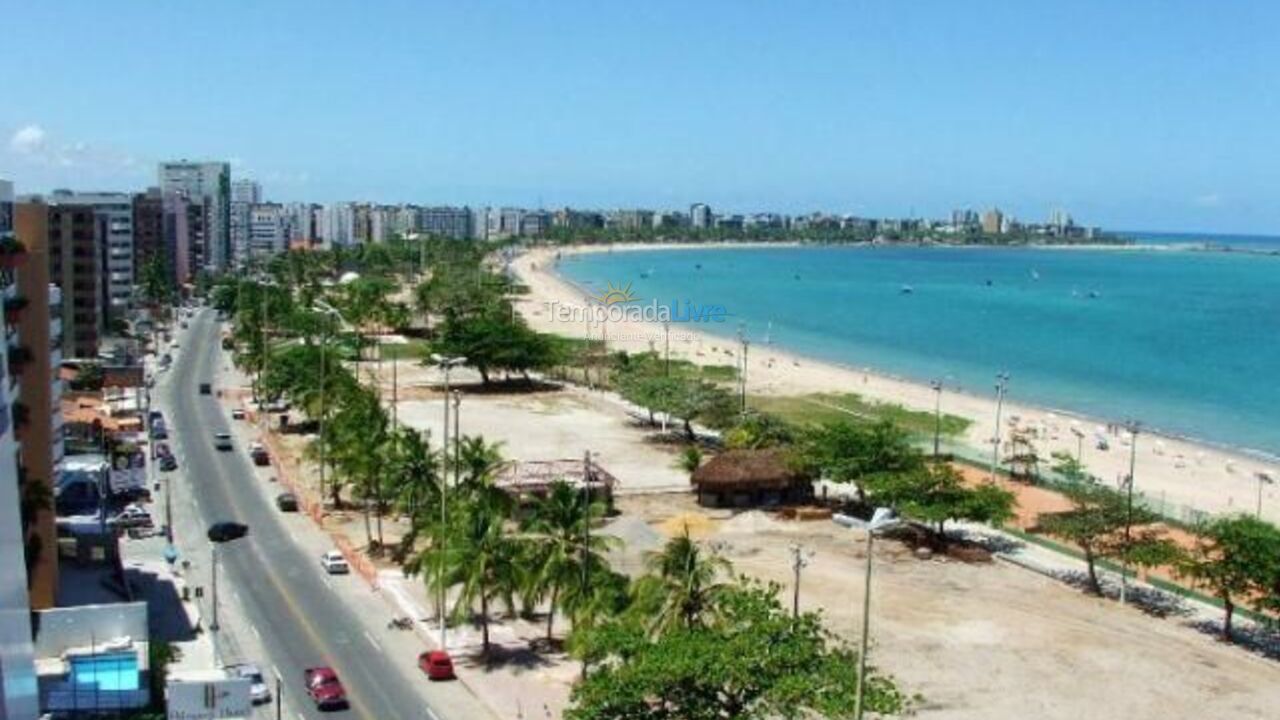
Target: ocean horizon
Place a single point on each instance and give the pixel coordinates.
(1186, 342)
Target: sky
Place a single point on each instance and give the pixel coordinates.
(1132, 115)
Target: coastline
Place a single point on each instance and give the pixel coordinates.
(1170, 470)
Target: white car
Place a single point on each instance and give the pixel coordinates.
(334, 564)
(132, 516)
(259, 693)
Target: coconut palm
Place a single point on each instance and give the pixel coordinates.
(562, 547)
(682, 584)
(481, 555)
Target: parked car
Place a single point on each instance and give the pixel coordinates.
(334, 563)
(287, 502)
(227, 530)
(159, 431)
(126, 496)
(222, 441)
(436, 664)
(206, 388)
(132, 516)
(324, 688)
(168, 463)
(259, 454)
(259, 693)
(237, 413)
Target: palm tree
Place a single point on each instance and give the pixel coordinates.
(412, 480)
(683, 583)
(481, 556)
(561, 543)
(477, 461)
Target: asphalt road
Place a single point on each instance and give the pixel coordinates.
(301, 620)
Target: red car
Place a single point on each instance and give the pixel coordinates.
(324, 688)
(436, 664)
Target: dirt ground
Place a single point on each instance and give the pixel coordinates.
(992, 641)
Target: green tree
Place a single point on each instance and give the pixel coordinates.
(481, 555)
(934, 493)
(756, 662)
(1238, 560)
(1097, 523)
(856, 454)
(561, 547)
(682, 585)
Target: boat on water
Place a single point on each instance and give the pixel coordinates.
(1035, 274)
(907, 290)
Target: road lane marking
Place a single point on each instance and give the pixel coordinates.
(372, 642)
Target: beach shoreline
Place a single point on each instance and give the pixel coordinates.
(1174, 471)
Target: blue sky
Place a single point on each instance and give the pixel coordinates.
(1140, 115)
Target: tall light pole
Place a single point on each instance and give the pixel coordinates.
(446, 364)
(1002, 387)
(457, 436)
(666, 335)
(873, 527)
(1133, 426)
(329, 311)
(742, 380)
(1264, 478)
(937, 416)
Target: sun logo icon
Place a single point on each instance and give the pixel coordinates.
(615, 294)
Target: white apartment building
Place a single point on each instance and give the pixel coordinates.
(210, 183)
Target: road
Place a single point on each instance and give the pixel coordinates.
(283, 593)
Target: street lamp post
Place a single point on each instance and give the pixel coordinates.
(328, 310)
(446, 364)
(1133, 427)
(213, 564)
(457, 436)
(1264, 478)
(937, 415)
(279, 694)
(1002, 386)
(873, 527)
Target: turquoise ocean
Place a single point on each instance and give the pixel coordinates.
(1186, 341)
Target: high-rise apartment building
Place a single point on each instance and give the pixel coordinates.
(72, 245)
(113, 221)
(244, 195)
(40, 429)
(210, 184)
(700, 216)
(450, 222)
(338, 224)
(19, 692)
(992, 222)
(185, 236)
(300, 223)
(148, 234)
(267, 230)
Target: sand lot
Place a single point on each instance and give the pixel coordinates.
(997, 642)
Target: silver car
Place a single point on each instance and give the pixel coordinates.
(259, 693)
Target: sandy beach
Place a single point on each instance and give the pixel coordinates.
(1173, 473)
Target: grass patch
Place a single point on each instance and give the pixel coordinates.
(412, 350)
(820, 408)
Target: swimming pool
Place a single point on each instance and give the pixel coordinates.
(110, 672)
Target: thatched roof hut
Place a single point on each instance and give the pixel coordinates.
(751, 477)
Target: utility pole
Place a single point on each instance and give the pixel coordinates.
(213, 565)
(1133, 427)
(937, 416)
(1002, 387)
(457, 436)
(799, 560)
(742, 379)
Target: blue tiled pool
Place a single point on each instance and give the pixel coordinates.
(113, 672)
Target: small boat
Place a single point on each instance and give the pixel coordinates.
(1094, 295)
(1035, 274)
(647, 273)
(989, 283)
(697, 266)
(907, 290)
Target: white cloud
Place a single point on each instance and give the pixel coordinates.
(1207, 200)
(28, 140)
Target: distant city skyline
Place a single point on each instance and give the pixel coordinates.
(1145, 116)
